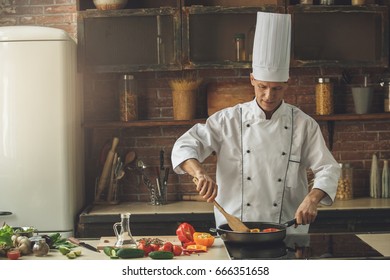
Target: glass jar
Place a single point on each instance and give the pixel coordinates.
(250, 42)
(128, 99)
(385, 180)
(239, 46)
(387, 100)
(324, 97)
(345, 187)
(40, 248)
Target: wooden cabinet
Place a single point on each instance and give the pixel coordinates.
(166, 35)
(129, 40)
(339, 35)
(173, 35)
(208, 35)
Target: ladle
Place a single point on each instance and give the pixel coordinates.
(234, 223)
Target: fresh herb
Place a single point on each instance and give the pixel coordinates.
(6, 233)
(58, 241)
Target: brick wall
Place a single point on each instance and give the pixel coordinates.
(53, 13)
(354, 142)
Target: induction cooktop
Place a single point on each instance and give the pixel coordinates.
(306, 246)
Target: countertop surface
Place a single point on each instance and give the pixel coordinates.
(379, 242)
(217, 252)
(189, 207)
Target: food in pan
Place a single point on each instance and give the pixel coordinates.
(253, 230)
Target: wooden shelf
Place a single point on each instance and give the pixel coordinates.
(331, 119)
(353, 117)
(142, 123)
(171, 122)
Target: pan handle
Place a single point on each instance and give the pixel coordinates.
(290, 223)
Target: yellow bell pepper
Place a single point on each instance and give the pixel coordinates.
(203, 238)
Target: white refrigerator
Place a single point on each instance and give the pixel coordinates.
(41, 139)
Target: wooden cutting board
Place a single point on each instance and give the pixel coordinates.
(221, 95)
(110, 240)
(106, 241)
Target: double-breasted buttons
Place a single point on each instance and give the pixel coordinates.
(283, 153)
(275, 204)
(279, 180)
(248, 151)
(248, 125)
(248, 178)
(248, 204)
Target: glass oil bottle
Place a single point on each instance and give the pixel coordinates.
(124, 236)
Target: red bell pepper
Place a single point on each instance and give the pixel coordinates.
(185, 233)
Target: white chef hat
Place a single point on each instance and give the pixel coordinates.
(271, 48)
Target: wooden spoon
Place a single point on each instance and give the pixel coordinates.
(234, 223)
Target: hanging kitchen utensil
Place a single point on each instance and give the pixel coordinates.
(130, 157)
(233, 222)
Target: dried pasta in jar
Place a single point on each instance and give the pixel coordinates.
(324, 97)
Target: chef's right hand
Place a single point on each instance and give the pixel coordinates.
(206, 187)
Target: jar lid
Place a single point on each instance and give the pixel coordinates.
(239, 36)
(323, 80)
(128, 77)
(125, 215)
(345, 165)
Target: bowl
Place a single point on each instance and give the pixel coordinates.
(24, 231)
(110, 4)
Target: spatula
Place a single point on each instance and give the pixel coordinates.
(234, 223)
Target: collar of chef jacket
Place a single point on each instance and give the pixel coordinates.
(259, 113)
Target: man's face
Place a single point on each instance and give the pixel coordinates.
(269, 95)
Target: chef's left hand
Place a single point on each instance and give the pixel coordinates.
(307, 210)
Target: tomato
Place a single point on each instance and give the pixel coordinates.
(155, 247)
(185, 232)
(177, 250)
(203, 238)
(168, 246)
(147, 248)
(270, 230)
(13, 254)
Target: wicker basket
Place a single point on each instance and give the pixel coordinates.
(184, 93)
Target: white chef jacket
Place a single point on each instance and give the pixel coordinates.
(261, 164)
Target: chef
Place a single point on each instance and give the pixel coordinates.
(264, 147)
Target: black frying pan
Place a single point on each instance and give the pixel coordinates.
(228, 235)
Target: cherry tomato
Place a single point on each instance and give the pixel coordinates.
(147, 248)
(167, 246)
(13, 254)
(177, 250)
(154, 247)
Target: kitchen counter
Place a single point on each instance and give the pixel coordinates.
(356, 215)
(140, 208)
(365, 203)
(376, 246)
(216, 252)
(380, 242)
